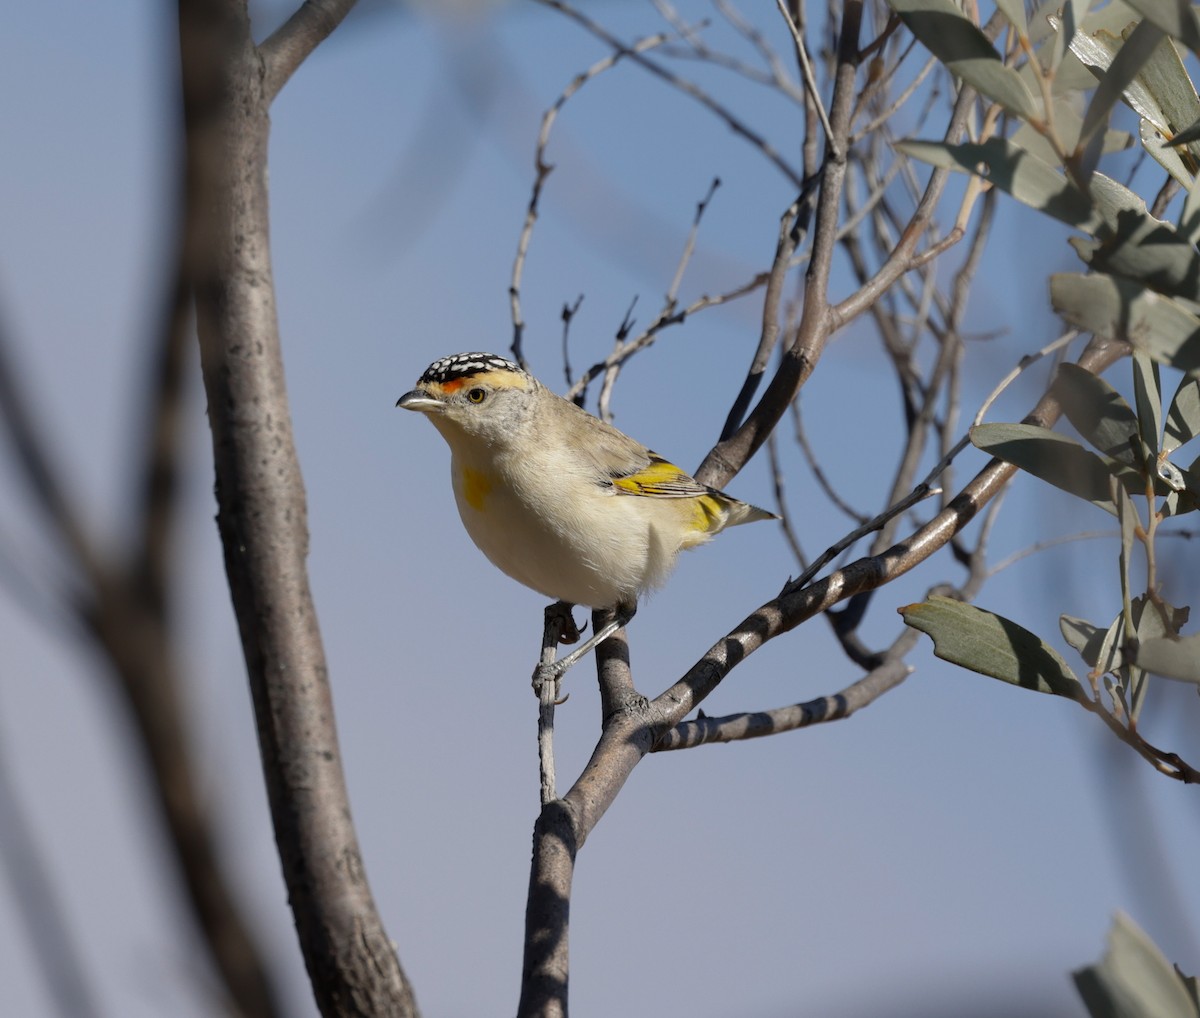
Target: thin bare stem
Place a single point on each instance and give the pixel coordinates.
(1027, 361)
(625, 348)
(38, 909)
(559, 628)
(817, 472)
(921, 492)
(792, 225)
(690, 88)
(810, 81)
(690, 244)
(543, 170)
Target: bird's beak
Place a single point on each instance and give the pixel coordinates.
(417, 400)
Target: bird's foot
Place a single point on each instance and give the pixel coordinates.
(552, 671)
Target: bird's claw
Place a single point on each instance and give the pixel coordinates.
(568, 631)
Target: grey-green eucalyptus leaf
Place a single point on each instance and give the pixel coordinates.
(1130, 680)
(958, 43)
(1118, 80)
(992, 645)
(1187, 500)
(1134, 979)
(1068, 124)
(1016, 172)
(1099, 413)
(1083, 636)
(1162, 150)
(1167, 80)
(1072, 13)
(1183, 416)
(1147, 391)
(1097, 50)
(1178, 20)
(1177, 658)
(1136, 245)
(1152, 620)
(1014, 10)
(1189, 217)
(1121, 309)
(1057, 459)
(1112, 649)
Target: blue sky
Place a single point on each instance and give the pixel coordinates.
(952, 843)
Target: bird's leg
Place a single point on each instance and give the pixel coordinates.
(554, 670)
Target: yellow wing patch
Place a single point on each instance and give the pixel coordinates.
(659, 479)
(662, 479)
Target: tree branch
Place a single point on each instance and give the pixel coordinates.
(289, 45)
(262, 510)
(757, 724)
(628, 735)
(729, 455)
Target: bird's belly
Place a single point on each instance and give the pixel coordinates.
(600, 551)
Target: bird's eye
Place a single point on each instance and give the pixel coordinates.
(476, 396)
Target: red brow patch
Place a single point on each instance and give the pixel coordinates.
(453, 385)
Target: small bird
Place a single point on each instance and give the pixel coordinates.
(556, 498)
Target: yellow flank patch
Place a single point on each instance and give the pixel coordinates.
(707, 513)
(475, 485)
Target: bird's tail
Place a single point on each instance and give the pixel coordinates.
(737, 511)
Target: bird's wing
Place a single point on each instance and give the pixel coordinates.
(626, 467)
(629, 467)
(659, 479)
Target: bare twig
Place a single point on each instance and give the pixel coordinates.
(1169, 764)
(121, 604)
(810, 82)
(756, 724)
(817, 471)
(775, 76)
(730, 454)
(1025, 362)
(792, 225)
(921, 492)
(559, 628)
(690, 244)
(543, 170)
(894, 106)
(625, 348)
(40, 474)
(37, 907)
(569, 312)
(781, 504)
(690, 88)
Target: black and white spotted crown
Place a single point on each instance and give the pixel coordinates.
(462, 365)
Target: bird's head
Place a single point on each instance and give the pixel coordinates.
(474, 396)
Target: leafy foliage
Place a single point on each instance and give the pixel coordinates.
(1141, 286)
(1134, 980)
